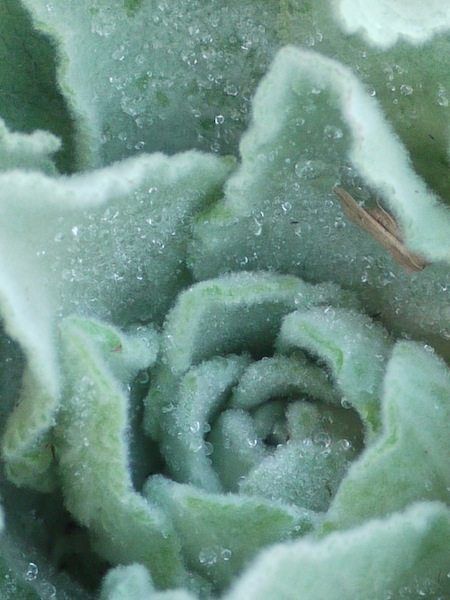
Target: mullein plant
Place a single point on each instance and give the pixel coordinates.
(224, 292)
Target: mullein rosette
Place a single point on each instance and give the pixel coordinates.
(214, 384)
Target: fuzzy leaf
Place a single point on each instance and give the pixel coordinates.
(134, 583)
(29, 95)
(384, 23)
(157, 76)
(282, 376)
(221, 533)
(237, 313)
(200, 395)
(354, 347)
(405, 556)
(312, 122)
(22, 151)
(109, 243)
(190, 81)
(308, 467)
(409, 462)
(192, 389)
(91, 447)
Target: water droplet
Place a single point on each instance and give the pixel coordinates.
(322, 439)
(226, 554)
(144, 377)
(207, 556)
(309, 169)
(286, 207)
(252, 442)
(219, 119)
(231, 90)
(195, 445)
(195, 427)
(332, 133)
(442, 98)
(209, 448)
(345, 403)
(345, 444)
(406, 90)
(75, 231)
(32, 572)
(48, 591)
(258, 227)
(118, 54)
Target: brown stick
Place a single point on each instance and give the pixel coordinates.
(383, 228)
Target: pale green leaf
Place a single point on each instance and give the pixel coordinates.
(354, 347)
(192, 389)
(405, 556)
(91, 448)
(384, 22)
(27, 151)
(236, 313)
(282, 376)
(220, 533)
(306, 468)
(313, 124)
(170, 77)
(199, 397)
(236, 447)
(109, 243)
(134, 583)
(157, 76)
(29, 96)
(409, 461)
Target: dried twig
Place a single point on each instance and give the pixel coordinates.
(383, 228)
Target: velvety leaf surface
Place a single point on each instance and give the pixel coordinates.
(91, 448)
(134, 583)
(355, 348)
(27, 151)
(277, 408)
(405, 556)
(188, 80)
(220, 533)
(245, 422)
(384, 23)
(29, 95)
(155, 75)
(409, 461)
(280, 212)
(109, 243)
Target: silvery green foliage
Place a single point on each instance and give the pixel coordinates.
(213, 384)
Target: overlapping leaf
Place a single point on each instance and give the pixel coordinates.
(221, 533)
(405, 556)
(109, 243)
(409, 462)
(91, 448)
(313, 124)
(190, 81)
